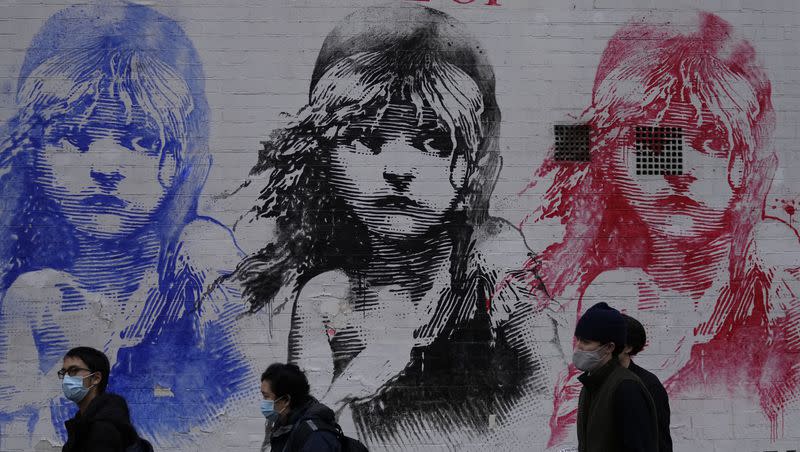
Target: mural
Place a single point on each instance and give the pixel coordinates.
(681, 248)
(100, 170)
(421, 318)
(410, 321)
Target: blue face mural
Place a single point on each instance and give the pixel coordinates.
(100, 172)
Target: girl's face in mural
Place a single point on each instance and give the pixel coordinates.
(695, 203)
(105, 170)
(417, 179)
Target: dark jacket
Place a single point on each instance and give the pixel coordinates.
(104, 427)
(290, 436)
(615, 412)
(661, 401)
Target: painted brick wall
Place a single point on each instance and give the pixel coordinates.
(421, 255)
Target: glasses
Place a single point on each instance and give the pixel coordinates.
(72, 372)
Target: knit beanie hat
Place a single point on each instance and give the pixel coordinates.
(602, 323)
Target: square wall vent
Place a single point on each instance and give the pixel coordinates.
(572, 142)
(659, 151)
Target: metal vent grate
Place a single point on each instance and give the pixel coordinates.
(572, 142)
(659, 150)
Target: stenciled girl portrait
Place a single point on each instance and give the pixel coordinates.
(395, 285)
(677, 240)
(102, 244)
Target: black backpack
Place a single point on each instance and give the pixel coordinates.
(305, 427)
(141, 445)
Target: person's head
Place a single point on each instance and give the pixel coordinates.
(599, 337)
(705, 83)
(119, 120)
(285, 387)
(636, 337)
(85, 373)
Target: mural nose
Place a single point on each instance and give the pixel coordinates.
(399, 182)
(680, 183)
(107, 180)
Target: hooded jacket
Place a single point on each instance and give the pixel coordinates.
(296, 435)
(104, 427)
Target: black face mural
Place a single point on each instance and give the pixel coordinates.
(419, 315)
(398, 172)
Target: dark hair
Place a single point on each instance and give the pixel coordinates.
(288, 379)
(96, 361)
(636, 337)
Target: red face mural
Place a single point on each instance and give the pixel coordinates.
(668, 222)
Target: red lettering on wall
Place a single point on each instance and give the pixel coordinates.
(466, 2)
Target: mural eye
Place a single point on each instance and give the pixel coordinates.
(438, 143)
(147, 144)
(361, 139)
(712, 140)
(366, 144)
(72, 143)
(716, 146)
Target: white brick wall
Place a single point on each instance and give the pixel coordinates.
(258, 56)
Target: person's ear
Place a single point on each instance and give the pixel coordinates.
(627, 350)
(284, 403)
(95, 379)
(167, 169)
(458, 172)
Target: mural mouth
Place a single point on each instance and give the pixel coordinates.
(103, 201)
(679, 202)
(395, 202)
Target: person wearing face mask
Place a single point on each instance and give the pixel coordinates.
(636, 339)
(615, 410)
(296, 421)
(102, 423)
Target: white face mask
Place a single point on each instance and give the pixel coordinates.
(588, 361)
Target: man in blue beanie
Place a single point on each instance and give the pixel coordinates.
(615, 410)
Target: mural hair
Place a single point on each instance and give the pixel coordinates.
(316, 231)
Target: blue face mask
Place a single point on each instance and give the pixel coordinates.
(268, 410)
(74, 389)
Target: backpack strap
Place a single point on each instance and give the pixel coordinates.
(312, 425)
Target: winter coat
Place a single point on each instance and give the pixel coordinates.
(615, 412)
(292, 432)
(104, 427)
(661, 400)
